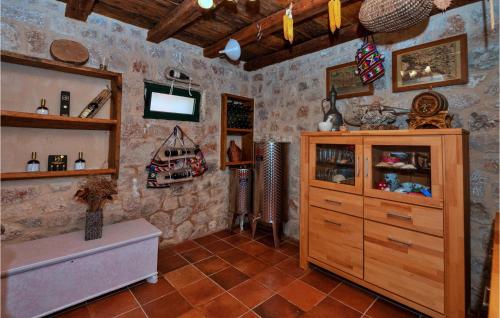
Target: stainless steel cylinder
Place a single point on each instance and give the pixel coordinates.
(241, 191)
(270, 193)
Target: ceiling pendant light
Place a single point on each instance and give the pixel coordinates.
(232, 50)
(206, 4)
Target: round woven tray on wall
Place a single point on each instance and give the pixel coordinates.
(393, 15)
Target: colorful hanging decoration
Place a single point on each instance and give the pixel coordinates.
(369, 62)
(442, 4)
(288, 24)
(334, 14)
(182, 161)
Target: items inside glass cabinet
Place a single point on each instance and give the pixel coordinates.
(402, 169)
(335, 163)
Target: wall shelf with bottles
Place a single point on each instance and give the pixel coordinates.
(54, 174)
(237, 114)
(21, 121)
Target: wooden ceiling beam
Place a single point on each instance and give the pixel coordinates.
(325, 41)
(354, 31)
(79, 9)
(302, 9)
(185, 13)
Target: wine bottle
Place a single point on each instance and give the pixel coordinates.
(65, 99)
(80, 162)
(87, 112)
(42, 110)
(33, 164)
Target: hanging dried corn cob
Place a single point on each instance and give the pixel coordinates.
(285, 26)
(338, 15)
(288, 24)
(331, 16)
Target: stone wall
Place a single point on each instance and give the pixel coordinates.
(288, 98)
(38, 208)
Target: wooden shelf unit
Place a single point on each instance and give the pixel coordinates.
(54, 174)
(246, 134)
(22, 119)
(31, 120)
(238, 131)
(239, 163)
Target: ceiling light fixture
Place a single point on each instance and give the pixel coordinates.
(206, 4)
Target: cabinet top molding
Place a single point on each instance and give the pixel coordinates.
(403, 132)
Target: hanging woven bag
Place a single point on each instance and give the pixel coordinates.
(393, 15)
(369, 62)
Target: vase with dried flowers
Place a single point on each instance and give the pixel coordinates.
(95, 192)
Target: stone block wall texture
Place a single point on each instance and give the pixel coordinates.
(288, 99)
(38, 208)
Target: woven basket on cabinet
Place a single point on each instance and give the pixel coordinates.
(393, 15)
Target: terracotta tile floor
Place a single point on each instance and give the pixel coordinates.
(229, 275)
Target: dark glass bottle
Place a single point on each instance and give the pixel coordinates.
(42, 109)
(33, 164)
(80, 162)
(89, 110)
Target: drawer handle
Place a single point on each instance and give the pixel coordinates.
(357, 167)
(366, 167)
(486, 297)
(408, 244)
(399, 216)
(333, 222)
(333, 202)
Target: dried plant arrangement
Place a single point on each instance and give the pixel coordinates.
(95, 192)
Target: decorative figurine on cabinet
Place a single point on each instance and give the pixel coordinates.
(429, 110)
(332, 114)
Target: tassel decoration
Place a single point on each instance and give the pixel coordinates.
(492, 16)
(442, 4)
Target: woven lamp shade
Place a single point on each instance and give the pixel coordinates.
(393, 15)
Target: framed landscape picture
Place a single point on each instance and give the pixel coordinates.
(346, 82)
(438, 63)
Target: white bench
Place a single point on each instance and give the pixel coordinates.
(43, 276)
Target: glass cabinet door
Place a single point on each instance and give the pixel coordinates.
(335, 163)
(406, 169)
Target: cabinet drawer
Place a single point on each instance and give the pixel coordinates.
(337, 201)
(337, 240)
(409, 216)
(406, 263)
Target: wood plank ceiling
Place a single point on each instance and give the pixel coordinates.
(241, 20)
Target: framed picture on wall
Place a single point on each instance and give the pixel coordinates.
(346, 82)
(438, 63)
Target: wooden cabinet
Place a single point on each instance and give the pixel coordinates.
(408, 263)
(374, 148)
(336, 201)
(388, 210)
(337, 239)
(408, 216)
(335, 163)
